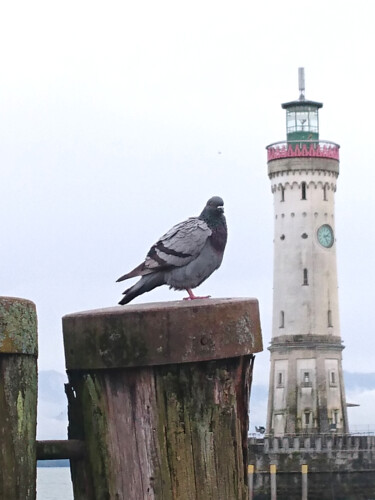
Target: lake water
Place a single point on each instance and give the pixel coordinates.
(54, 483)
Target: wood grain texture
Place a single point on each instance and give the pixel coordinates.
(164, 433)
(60, 449)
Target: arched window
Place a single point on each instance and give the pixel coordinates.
(329, 317)
(282, 319)
(303, 189)
(307, 417)
(282, 189)
(305, 277)
(335, 416)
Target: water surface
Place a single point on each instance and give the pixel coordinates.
(54, 483)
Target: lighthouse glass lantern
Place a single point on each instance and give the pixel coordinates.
(302, 118)
(302, 121)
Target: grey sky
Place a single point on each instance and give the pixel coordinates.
(120, 119)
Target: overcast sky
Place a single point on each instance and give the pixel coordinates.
(120, 119)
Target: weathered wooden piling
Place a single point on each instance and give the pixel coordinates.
(159, 394)
(18, 398)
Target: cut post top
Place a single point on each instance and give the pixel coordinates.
(162, 333)
(18, 326)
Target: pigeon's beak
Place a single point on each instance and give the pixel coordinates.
(220, 209)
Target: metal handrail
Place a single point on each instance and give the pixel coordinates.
(312, 141)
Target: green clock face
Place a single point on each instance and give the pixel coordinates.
(325, 236)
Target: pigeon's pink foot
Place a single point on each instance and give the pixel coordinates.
(193, 297)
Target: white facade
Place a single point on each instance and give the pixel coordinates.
(305, 278)
(306, 382)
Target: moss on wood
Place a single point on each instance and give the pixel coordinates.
(163, 433)
(18, 326)
(18, 398)
(198, 427)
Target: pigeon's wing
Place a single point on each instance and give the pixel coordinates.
(179, 246)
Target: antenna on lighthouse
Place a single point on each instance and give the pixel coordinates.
(301, 83)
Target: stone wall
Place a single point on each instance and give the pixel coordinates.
(340, 467)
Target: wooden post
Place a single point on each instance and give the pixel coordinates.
(304, 471)
(159, 393)
(273, 482)
(18, 398)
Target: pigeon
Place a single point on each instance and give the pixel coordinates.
(185, 256)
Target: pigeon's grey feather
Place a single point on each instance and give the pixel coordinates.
(184, 256)
(145, 284)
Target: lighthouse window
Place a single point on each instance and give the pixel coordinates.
(306, 379)
(303, 188)
(329, 318)
(305, 277)
(281, 323)
(335, 416)
(332, 378)
(325, 192)
(290, 121)
(313, 115)
(280, 379)
(302, 118)
(282, 194)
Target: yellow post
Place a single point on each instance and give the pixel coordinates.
(273, 481)
(250, 481)
(304, 470)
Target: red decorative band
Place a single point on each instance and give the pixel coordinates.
(321, 149)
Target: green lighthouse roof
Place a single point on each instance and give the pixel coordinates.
(302, 103)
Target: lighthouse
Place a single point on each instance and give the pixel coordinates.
(306, 390)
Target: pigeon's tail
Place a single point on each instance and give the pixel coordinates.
(145, 284)
(138, 271)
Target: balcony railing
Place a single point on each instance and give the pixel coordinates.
(302, 149)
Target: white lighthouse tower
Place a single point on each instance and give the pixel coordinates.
(306, 392)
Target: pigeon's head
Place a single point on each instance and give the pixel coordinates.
(215, 204)
(214, 209)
